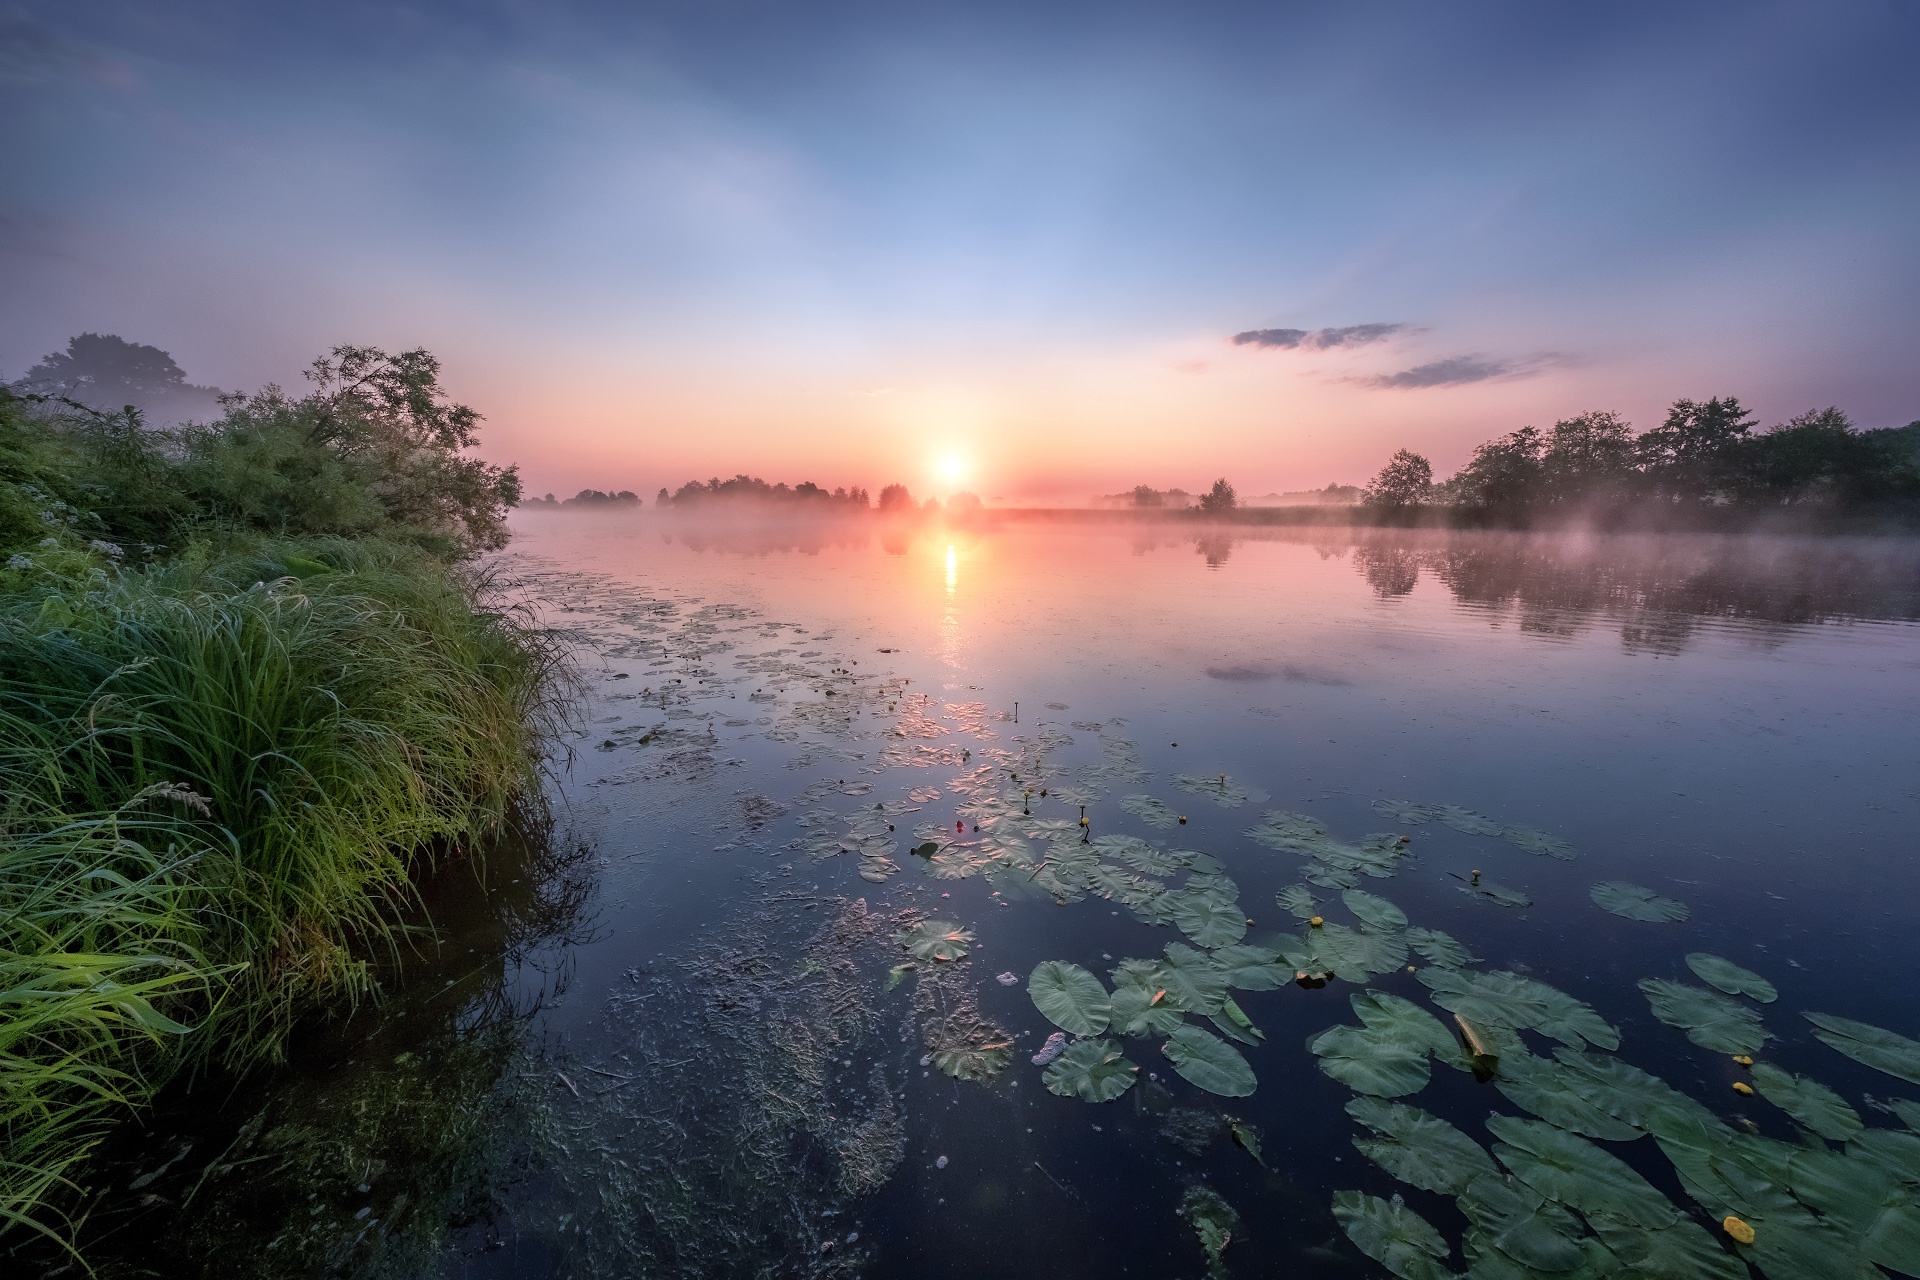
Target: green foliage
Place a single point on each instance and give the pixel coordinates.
(1406, 481)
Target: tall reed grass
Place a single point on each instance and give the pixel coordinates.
(221, 776)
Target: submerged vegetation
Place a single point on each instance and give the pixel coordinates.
(248, 690)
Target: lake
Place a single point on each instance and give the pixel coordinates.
(761, 998)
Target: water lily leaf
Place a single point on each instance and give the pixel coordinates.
(1404, 811)
(1485, 1262)
(1573, 1172)
(1135, 853)
(1213, 1221)
(1194, 860)
(1391, 1234)
(1330, 877)
(1375, 913)
(1091, 1070)
(1498, 894)
(1150, 811)
(1534, 840)
(974, 1063)
(1683, 1251)
(1419, 1148)
(1252, 968)
(1508, 1000)
(1249, 1139)
(1298, 900)
(1288, 832)
(1140, 1006)
(1896, 1152)
(1237, 1017)
(1193, 983)
(1353, 954)
(1877, 1047)
(1521, 1223)
(1710, 1019)
(1224, 791)
(1208, 1062)
(1466, 821)
(1439, 948)
(1387, 1055)
(1637, 902)
(935, 940)
(1867, 1201)
(1070, 997)
(1207, 920)
(1546, 1089)
(1109, 882)
(1808, 1101)
(1622, 1091)
(1730, 977)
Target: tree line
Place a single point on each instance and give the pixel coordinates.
(1703, 455)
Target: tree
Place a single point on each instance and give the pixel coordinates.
(896, 498)
(1219, 498)
(1148, 496)
(108, 373)
(1502, 475)
(1692, 456)
(1406, 481)
(1587, 457)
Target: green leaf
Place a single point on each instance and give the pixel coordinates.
(1519, 1222)
(1546, 1089)
(1192, 981)
(1467, 821)
(1498, 894)
(1573, 1172)
(1208, 1062)
(1375, 913)
(1135, 852)
(1637, 902)
(1808, 1101)
(1404, 811)
(1208, 921)
(1091, 1070)
(1070, 997)
(1419, 1148)
(1504, 999)
(1213, 1221)
(1683, 1251)
(1439, 948)
(1249, 1139)
(1140, 1006)
(1534, 840)
(1622, 1091)
(1224, 791)
(1391, 1234)
(1252, 968)
(1150, 811)
(1872, 1202)
(935, 940)
(1877, 1047)
(1297, 900)
(1387, 1055)
(1730, 977)
(1354, 954)
(1710, 1019)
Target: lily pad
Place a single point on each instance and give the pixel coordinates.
(1683, 1251)
(1225, 791)
(1091, 1070)
(1438, 948)
(1386, 1056)
(1208, 921)
(1252, 968)
(1213, 1221)
(974, 1063)
(1150, 811)
(1808, 1101)
(1573, 1172)
(1391, 1234)
(1876, 1046)
(1498, 894)
(1298, 900)
(935, 940)
(1534, 840)
(1404, 811)
(1547, 1089)
(1139, 1005)
(1208, 1062)
(1135, 853)
(1863, 1198)
(1192, 981)
(1354, 951)
(1375, 913)
(1466, 821)
(1508, 1000)
(1730, 977)
(1710, 1019)
(1523, 1224)
(1637, 902)
(1419, 1148)
(1288, 832)
(1070, 997)
(1622, 1091)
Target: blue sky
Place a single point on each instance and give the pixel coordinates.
(652, 241)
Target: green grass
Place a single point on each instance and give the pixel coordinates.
(223, 773)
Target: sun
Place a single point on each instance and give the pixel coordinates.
(951, 468)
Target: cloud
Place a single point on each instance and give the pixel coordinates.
(1456, 371)
(1354, 335)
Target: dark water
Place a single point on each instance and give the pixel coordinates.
(659, 1041)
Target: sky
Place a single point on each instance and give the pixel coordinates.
(1031, 250)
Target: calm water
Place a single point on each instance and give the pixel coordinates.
(660, 1040)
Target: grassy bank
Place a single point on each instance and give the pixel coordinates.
(233, 730)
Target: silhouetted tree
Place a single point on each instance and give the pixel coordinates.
(1406, 481)
(896, 498)
(1690, 457)
(106, 372)
(1219, 498)
(1587, 458)
(1502, 475)
(1148, 496)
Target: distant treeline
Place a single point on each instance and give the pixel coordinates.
(587, 498)
(1703, 456)
(751, 490)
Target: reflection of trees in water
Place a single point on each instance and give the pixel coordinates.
(768, 537)
(398, 1121)
(1660, 588)
(1216, 547)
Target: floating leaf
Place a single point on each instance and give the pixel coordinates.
(1865, 1199)
(1249, 1139)
(1521, 1223)
(1508, 1000)
(1498, 894)
(1387, 1055)
(1466, 821)
(1224, 791)
(1404, 811)
(1091, 1070)
(1548, 1091)
(1573, 1172)
(1213, 1221)
(1150, 811)
(1877, 1047)
(1710, 1019)
(1534, 840)
(1330, 877)
(1193, 983)
(1683, 1251)
(1391, 1234)
(1252, 968)
(1375, 913)
(935, 940)
(1208, 1062)
(1637, 902)
(1730, 977)
(1140, 1006)
(1621, 1090)
(974, 1063)
(1288, 832)
(1419, 1148)
(1109, 882)
(1207, 920)
(1438, 948)
(1354, 954)
(1298, 900)
(1807, 1101)
(1070, 997)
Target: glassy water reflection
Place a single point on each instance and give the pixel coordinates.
(737, 1077)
